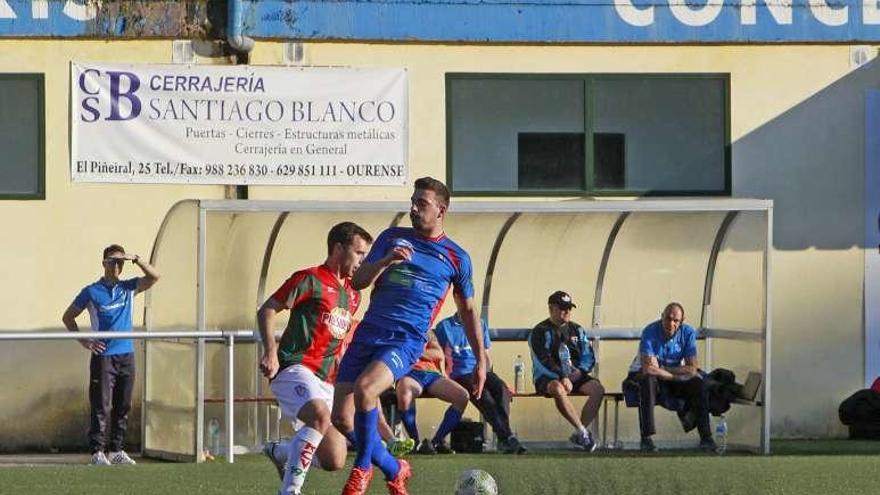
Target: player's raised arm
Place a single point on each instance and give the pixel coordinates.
(467, 310)
(151, 275)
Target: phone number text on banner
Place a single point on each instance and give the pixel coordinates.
(238, 125)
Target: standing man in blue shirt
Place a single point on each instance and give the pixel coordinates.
(111, 370)
(667, 367)
(412, 269)
(460, 360)
(562, 359)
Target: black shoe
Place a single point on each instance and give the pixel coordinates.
(442, 448)
(708, 445)
(512, 446)
(647, 445)
(426, 448)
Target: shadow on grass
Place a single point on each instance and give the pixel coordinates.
(824, 447)
(778, 447)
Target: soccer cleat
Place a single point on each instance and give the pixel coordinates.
(512, 446)
(397, 486)
(358, 481)
(99, 459)
(400, 448)
(121, 458)
(647, 445)
(269, 451)
(442, 448)
(426, 448)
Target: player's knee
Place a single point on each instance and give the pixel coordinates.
(334, 462)
(460, 400)
(556, 389)
(342, 422)
(404, 399)
(366, 389)
(322, 421)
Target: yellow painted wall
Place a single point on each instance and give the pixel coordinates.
(52, 248)
(817, 293)
(796, 128)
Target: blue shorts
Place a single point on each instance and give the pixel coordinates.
(424, 378)
(399, 358)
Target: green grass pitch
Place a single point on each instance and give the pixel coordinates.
(796, 467)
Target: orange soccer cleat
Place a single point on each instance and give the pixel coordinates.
(397, 486)
(358, 481)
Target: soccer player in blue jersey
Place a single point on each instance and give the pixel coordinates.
(111, 370)
(412, 269)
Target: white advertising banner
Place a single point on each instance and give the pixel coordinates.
(238, 124)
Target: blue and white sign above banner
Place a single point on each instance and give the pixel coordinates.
(238, 125)
(516, 21)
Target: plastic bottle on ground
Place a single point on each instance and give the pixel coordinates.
(721, 434)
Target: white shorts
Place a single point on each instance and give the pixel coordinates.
(296, 385)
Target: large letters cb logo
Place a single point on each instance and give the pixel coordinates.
(119, 86)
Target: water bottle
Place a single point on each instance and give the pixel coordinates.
(214, 435)
(564, 358)
(519, 375)
(721, 434)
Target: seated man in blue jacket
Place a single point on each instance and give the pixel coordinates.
(562, 359)
(460, 360)
(666, 367)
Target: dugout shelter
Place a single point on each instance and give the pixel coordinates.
(622, 261)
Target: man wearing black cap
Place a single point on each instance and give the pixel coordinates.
(562, 359)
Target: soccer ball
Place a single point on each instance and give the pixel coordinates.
(476, 482)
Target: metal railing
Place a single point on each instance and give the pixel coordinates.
(227, 336)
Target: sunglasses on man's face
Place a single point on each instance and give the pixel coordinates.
(117, 261)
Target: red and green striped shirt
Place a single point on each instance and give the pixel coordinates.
(321, 311)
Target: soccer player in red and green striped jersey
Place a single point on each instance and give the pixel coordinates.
(302, 367)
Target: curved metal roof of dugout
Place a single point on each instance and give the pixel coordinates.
(521, 251)
(621, 260)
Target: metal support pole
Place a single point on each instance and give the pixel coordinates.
(230, 426)
(768, 334)
(596, 322)
(201, 319)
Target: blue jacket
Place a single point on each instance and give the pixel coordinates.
(544, 342)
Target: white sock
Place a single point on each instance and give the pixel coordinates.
(299, 458)
(582, 430)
